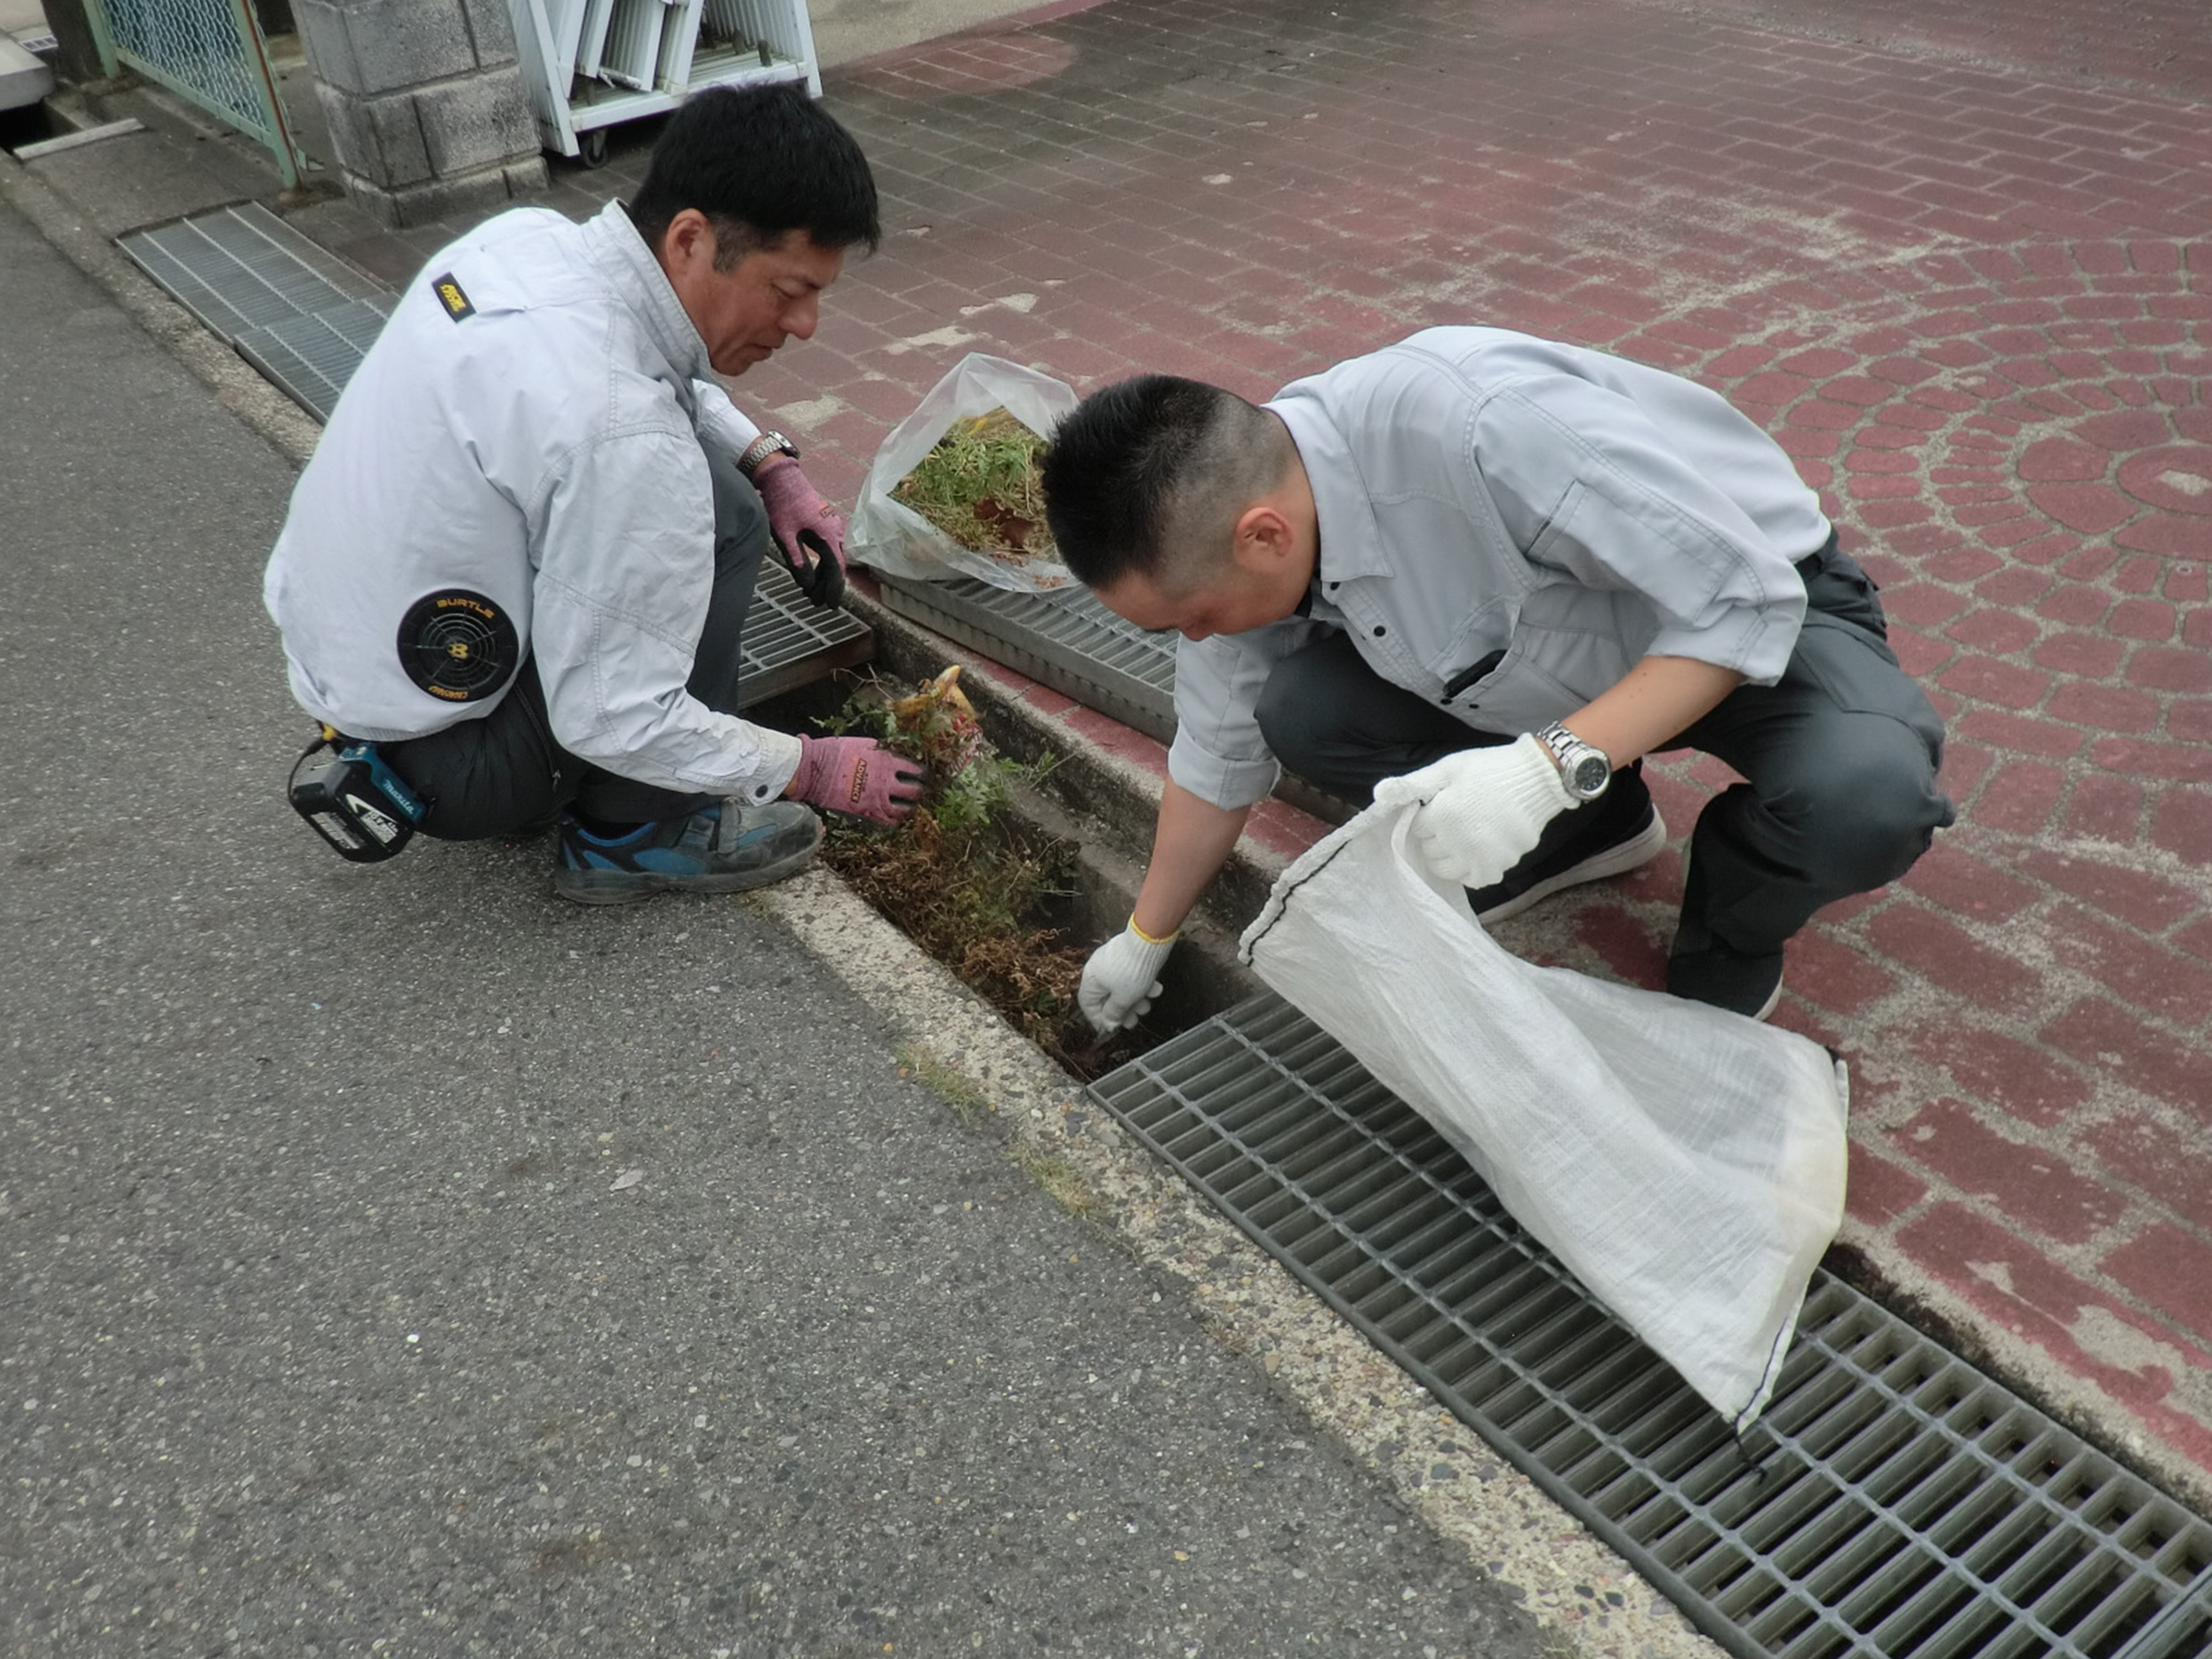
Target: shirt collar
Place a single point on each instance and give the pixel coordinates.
(621, 255)
(1350, 545)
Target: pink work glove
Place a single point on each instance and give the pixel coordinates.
(857, 775)
(802, 521)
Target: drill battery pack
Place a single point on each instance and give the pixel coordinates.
(353, 801)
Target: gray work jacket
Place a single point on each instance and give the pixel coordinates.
(531, 425)
(1507, 525)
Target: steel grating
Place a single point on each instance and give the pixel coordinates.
(1065, 639)
(787, 642)
(242, 268)
(310, 358)
(1902, 1504)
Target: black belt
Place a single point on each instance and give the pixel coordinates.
(1817, 561)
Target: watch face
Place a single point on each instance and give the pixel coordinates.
(1591, 773)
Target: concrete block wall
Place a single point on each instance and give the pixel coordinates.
(427, 110)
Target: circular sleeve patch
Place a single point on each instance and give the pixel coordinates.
(458, 646)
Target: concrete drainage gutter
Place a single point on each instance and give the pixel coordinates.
(1105, 806)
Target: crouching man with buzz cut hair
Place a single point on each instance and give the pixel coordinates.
(1514, 568)
(514, 576)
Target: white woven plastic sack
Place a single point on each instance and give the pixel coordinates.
(892, 538)
(1686, 1164)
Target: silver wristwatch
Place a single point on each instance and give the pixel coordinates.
(768, 444)
(1583, 767)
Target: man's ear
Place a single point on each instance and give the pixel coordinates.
(1263, 540)
(688, 239)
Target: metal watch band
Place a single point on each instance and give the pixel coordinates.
(768, 444)
(1573, 756)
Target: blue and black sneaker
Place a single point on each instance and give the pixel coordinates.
(723, 848)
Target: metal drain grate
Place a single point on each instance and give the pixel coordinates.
(310, 358)
(1903, 1506)
(789, 643)
(1065, 640)
(242, 268)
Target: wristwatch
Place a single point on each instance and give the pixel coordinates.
(1583, 767)
(768, 444)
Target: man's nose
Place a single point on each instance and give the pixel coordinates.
(800, 319)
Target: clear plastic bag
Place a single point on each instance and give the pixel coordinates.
(890, 536)
(1686, 1164)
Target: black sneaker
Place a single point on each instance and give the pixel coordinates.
(1617, 832)
(1746, 985)
(723, 848)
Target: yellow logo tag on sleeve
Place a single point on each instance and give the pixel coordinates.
(451, 296)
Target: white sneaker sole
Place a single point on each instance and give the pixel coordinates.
(1773, 1000)
(1617, 859)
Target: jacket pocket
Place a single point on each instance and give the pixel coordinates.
(1477, 646)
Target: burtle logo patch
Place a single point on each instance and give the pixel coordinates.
(458, 646)
(450, 295)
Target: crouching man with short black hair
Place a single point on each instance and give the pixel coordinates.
(1511, 568)
(515, 573)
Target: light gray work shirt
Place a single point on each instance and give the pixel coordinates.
(539, 438)
(1482, 492)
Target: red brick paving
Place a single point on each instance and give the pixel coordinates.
(1954, 256)
(2162, 45)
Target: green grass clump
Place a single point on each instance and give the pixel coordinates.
(979, 485)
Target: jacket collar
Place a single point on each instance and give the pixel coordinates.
(1350, 544)
(636, 277)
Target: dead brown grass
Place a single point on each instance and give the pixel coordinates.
(963, 878)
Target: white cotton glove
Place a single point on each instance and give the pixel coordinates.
(1121, 979)
(1482, 809)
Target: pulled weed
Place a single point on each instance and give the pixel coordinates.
(981, 486)
(959, 877)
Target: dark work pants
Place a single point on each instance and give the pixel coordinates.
(1839, 756)
(506, 772)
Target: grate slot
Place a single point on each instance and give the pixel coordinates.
(1901, 1504)
(2183, 1631)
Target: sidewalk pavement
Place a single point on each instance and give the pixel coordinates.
(1961, 273)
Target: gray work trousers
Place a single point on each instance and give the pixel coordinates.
(506, 772)
(1840, 758)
